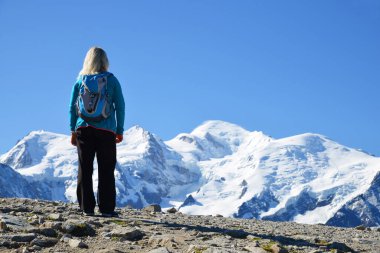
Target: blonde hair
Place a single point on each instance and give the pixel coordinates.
(96, 61)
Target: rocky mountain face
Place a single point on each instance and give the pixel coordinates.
(28, 225)
(12, 184)
(361, 210)
(218, 168)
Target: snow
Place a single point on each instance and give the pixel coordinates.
(220, 164)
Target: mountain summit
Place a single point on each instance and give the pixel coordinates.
(218, 168)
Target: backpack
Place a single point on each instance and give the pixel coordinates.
(93, 103)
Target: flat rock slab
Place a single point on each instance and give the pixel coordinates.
(16, 224)
(130, 234)
(45, 242)
(19, 237)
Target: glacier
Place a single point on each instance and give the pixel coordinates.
(218, 168)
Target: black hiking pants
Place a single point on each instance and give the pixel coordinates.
(91, 142)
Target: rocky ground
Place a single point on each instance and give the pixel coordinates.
(40, 226)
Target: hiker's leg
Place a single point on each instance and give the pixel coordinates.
(106, 156)
(86, 154)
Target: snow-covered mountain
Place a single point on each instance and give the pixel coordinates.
(219, 168)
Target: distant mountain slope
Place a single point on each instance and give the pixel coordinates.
(218, 168)
(12, 184)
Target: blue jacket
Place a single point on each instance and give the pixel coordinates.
(115, 122)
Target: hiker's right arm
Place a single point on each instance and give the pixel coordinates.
(73, 111)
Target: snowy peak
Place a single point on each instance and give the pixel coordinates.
(304, 178)
(213, 139)
(221, 135)
(220, 129)
(139, 143)
(32, 148)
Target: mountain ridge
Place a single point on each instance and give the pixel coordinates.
(225, 168)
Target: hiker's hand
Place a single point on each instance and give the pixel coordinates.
(119, 138)
(73, 138)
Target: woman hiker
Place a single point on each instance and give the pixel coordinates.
(97, 123)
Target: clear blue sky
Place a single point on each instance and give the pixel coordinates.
(281, 67)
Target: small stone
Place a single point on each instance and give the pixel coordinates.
(45, 242)
(160, 250)
(33, 222)
(3, 225)
(25, 250)
(275, 248)
(219, 216)
(66, 238)
(55, 217)
(78, 228)
(172, 210)
(152, 208)
(52, 224)
(339, 246)
(361, 227)
(19, 237)
(49, 232)
(108, 251)
(128, 233)
(35, 248)
(41, 220)
(106, 234)
(75, 243)
(254, 249)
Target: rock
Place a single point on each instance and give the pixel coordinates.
(66, 238)
(193, 248)
(362, 228)
(16, 224)
(49, 232)
(44, 242)
(106, 234)
(219, 250)
(19, 237)
(161, 241)
(152, 208)
(172, 210)
(25, 250)
(130, 234)
(35, 248)
(275, 248)
(52, 224)
(55, 217)
(109, 251)
(160, 250)
(3, 226)
(339, 246)
(78, 228)
(41, 220)
(75, 243)
(254, 249)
